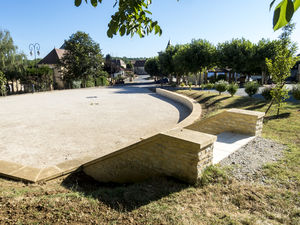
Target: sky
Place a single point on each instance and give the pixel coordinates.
(50, 22)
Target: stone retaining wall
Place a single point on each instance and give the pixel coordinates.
(193, 105)
(179, 153)
(232, 120)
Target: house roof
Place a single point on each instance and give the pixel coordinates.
(140, 63)
(53, 57)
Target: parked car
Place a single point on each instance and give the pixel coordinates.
(162, 81)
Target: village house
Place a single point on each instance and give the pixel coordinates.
(52, 60)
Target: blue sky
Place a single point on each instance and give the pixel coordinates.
(50, 22)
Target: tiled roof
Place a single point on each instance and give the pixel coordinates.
(53, 57)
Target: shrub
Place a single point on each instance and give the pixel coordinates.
(232, 88)
(251, 88)
(296, 91)
(221, 86)
(190, 85)
(202, 86)
(182, 84)
(76, 84)
(101, 81)
(209, 86)
(266, 93)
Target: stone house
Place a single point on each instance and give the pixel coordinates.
(139, 67)
(52, 60)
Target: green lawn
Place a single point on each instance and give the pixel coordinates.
(219, 199)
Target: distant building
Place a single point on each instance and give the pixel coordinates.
(52, 60)
(139, 67)
(120, 66)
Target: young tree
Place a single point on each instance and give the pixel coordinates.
(280, 68)
(82, 59)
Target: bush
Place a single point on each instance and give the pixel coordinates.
(76, 84)
(182, 84)
(221, 86)
(232, 88)
(209, 86)
(296, 91)
(266, 93)
(101, 81)
(251, 88)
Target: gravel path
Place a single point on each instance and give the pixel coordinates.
(248, 161)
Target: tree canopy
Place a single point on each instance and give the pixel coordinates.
(82, 59)
(132, 16)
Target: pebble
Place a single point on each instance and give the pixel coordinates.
(248, 161)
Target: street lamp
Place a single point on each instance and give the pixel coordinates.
(34, 50)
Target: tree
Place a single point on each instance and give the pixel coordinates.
(109, 66)
(82, 59)
(132, 16)
(284, 12)
(166, 61)
(280, 68)
(152, 67)
(12, 64)
(264, 49)
(236, 54)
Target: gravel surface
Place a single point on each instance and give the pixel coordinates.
(248, 161)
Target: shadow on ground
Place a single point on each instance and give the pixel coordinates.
(122, 197)
(280, 116)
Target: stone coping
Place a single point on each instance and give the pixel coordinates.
(192, 104)
(30, 174)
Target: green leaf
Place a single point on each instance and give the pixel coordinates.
(94, 3)
(296, 4)
(289, 11)
(283, 13)
(272, 3)
(77, 3)
(122, 30)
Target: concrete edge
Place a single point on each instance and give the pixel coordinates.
(190, 103)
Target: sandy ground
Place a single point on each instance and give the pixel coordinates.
(44, 129)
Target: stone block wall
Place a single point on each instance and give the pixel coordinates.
(179, 153)
(232, 120)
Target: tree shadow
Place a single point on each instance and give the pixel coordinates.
(258, 106)
(275, 117)
(217, 101)
(246, 102)
(123, 197)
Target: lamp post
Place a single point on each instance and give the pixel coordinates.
(34, 50)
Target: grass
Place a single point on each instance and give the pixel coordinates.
(218, 199)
